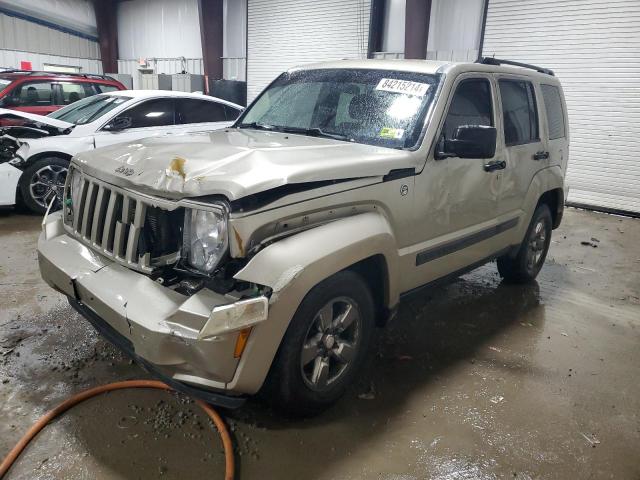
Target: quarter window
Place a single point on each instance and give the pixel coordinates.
(152, 113)
(553, 107)
(519, 112)
(471, 105)
(72, 92)
(199, 111)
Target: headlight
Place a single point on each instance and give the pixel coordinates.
(205, 238)
(72, 195)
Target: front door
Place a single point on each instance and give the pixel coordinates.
(149, 118)
(456, 198)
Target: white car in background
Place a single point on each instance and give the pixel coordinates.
(35, 150)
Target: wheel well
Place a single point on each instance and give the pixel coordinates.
(38, 156)
(374, 271)
(554, 199)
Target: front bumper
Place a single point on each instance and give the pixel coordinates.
(159, 327)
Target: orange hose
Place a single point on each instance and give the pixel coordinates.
(92, 392)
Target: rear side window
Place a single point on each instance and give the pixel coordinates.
(72, 92)
(471, 105)
(555, 114)
(519, 112)
(152, 113)
(190, 110)
(231, 113)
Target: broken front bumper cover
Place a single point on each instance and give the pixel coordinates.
(189, 341)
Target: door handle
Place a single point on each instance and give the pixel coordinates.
(495, 165)
(541, 155)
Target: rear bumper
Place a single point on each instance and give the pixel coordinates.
(172, 335)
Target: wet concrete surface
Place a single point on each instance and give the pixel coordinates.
(474, 380)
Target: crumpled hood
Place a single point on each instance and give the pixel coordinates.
(235, 163)
(52, 122)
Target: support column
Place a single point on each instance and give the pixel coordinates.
(107, 23)
(416, 28)
(211, 34)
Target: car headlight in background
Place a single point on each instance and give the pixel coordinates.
(205, 238)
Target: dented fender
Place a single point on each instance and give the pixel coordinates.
(293, 266)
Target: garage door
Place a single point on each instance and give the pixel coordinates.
(284, 33)
(594, 48)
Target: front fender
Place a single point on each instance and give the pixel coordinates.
(293, 266)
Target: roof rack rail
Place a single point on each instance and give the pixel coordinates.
(62, 74)
(499, 61)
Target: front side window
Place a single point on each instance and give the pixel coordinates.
(375, 107)
(520, 115)
(151, 113)
(72, 92)
(89, 109)
(189, 110)
(555, 114)
(471, 105)
(33, 94)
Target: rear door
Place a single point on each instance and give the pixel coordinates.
(66, 93)
(149, 118)
(525, 149)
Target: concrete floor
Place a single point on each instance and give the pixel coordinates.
(475, 380)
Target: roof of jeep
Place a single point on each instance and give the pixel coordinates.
(423, 66)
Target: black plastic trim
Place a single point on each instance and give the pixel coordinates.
(124, 344)
(464, 242)
(399, 173)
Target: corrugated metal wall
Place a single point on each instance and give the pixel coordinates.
(25, 36)
(286, 33)
(594, 48)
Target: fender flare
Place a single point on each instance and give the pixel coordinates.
(547, 179)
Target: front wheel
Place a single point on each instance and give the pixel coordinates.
(526, 265)
(42, 182)
(324, 346)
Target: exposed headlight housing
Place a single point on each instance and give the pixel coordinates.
(73, 190)
(205, 238)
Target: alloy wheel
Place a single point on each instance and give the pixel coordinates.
(47, 183)
(331, 343)
(536, 244)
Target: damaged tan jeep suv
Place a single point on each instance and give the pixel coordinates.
(262, 257)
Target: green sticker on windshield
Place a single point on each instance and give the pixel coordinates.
(392, 133)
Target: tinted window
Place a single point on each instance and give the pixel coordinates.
(152, 113)
(553, 107)
(33, 94)
(471, 105)
(72, 92)
(519, 112)
(198, 111)
(231, 113)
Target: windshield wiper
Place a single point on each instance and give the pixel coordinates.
(316, 132)
(257, 126)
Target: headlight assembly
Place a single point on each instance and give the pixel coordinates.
(205, 238)
(73, 189)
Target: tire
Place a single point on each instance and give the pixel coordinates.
(526, 265)
(305, 384)
(40, 181)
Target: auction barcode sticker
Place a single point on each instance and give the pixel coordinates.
(403, 86)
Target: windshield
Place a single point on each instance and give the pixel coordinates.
(88, 109)
(4, 83)
(376, 107)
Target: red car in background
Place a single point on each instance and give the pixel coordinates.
(46, 92)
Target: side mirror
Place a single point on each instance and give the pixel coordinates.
(469, 141)
(118, 124)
